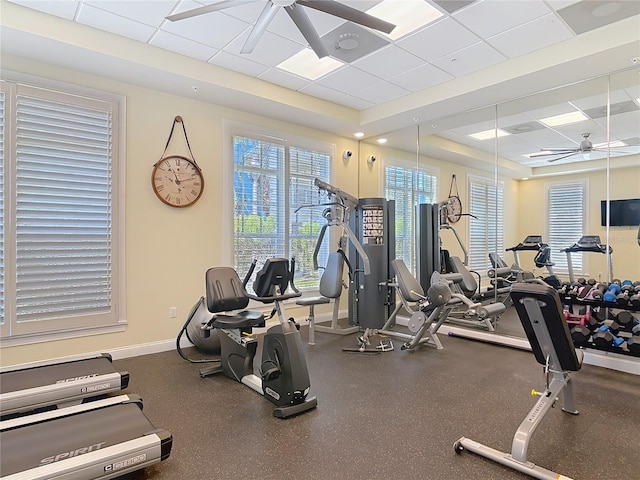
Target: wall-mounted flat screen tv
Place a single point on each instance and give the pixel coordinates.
(623, 212)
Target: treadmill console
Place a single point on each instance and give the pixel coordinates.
(531, 242)
(589, 241)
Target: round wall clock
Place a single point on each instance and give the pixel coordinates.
(177, 181)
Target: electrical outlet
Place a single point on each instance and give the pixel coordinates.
(173, 312)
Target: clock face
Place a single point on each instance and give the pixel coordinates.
(454, 209)
(177, 181)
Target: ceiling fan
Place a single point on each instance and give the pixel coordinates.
(297, 14)
(584, 149)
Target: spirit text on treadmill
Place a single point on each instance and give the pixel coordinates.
(73, 379)
(72, 453)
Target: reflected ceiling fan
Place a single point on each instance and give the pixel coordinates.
(297, 14)
(583, 149)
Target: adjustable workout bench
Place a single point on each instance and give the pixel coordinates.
(540, 312)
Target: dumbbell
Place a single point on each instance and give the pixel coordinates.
(626, 321)
(598, 290)
(604, 338)
(582, 333)
(634, 300)
(633, 345)
(612, 292)
(626, 291)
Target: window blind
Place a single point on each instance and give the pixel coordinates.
(2, 176)
(63, 208)
(265, 221)
(486, 223)
(566, 219)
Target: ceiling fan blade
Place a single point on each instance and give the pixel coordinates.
(548, 152)
(348, 13)
(301, 19)
(563, 156)
(214, 7)
(268, 12)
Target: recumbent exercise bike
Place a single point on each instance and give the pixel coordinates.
(283, 376)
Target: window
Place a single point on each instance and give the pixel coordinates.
(567, 216)
(486, 223)
(408, 187)
(59, 256)
(272, 179)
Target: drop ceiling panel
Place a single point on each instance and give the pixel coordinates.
(348, 80)
(381, 92)
(491, 17)
(470, 59)
(284, 79)
(589, 15)
(60, 8)
(149, 12)
(420, 78)
(94, 17)
(439, 39)
(271, 50)
(388, 61)
(183, 46)
(215, 29)
(332, 95)
(238, 63)
(539, 33)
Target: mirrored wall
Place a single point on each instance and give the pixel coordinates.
(574, 149)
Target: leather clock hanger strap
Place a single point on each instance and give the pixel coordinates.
(179, 120)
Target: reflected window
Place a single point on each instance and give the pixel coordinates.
(566, 213)
(408, 188)
(271, 180)
(486, 223)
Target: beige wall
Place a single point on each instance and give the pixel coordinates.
(168, 250)
(625, 183)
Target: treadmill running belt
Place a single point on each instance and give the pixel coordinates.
(43, 443)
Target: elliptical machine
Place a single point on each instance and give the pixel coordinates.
(282, 377)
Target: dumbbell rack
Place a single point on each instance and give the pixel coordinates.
(570, 300)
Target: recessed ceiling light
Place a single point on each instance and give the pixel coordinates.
(382, 141)
(564, 119)
(358, 134)
(407, 15)
(306, 64)
(487, 134)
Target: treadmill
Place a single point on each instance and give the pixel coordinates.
(102, 439)
(588, 243)
(50, 384)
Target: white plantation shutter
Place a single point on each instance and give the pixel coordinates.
(64, 248)
(408, 188)
(566, 219)
(2, 176)
(486, 223)
(271, 180)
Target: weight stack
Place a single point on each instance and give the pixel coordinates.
(370, 301)
(428, 228)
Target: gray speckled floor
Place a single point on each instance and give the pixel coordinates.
(388, 416)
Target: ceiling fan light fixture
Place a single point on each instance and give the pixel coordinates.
(407, 15)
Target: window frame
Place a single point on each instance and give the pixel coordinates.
(37, 331)
(232, 129)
